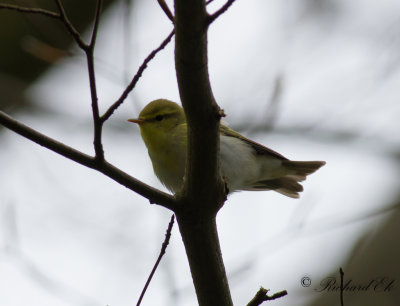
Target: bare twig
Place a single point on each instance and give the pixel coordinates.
(61, 16)
(96, 22)
(98, 162)
(218, 13)
(162, 252)
(262, 296)
(341, 286)
(136, 78)
(98, 124)
(166, 9)
(152, 194)
(89, 51)
(71, 29)
(29, 10)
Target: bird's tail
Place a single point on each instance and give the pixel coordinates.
(288, 184)
(299, 170)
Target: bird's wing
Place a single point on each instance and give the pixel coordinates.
(258, 148)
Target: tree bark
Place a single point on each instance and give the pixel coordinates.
(202, 180)
(201, 242)
(203, 192)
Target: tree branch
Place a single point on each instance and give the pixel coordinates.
(166, 9)
(29, 10)
(97, 123)
(203, 183)
(98, 163)
(136, 78)
(71, 29)
(200, 237)
(262, 296)
(162, 252)
(152, 194)
(96, 22)
(203, 192)
(222, 10)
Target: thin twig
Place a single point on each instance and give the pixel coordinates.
(98, 163)
(341, 286)
(98, 124)
(166, 9)
(152, 194)
(30, 10)
(276, 295)
(61, 16)
(95, 30)
(136, 78)
(262, 296)
(222, 10)
(162, 252)
(71, 29)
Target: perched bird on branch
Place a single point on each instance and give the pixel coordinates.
(245, 164)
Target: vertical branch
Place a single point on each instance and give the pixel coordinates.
(203, 181)
(95, 30)
(97, 122)
(89, 51)
(200, 238)
(203, 192)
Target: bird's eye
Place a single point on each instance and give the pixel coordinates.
(159, 117)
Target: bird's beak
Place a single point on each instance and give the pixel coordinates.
(137, 121)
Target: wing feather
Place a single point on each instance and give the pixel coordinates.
(258, 148)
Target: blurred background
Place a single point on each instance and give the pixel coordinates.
(311, 79)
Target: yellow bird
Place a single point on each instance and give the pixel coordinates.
(245, 164)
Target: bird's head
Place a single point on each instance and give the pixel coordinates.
(158, 118)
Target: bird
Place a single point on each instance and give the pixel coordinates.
(245, 164)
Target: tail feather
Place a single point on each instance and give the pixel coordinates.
(288, 184)
(302, 168)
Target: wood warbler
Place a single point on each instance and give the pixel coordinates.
(245, 164)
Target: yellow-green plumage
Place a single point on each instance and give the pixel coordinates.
(245, 164)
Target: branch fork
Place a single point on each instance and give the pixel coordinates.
(204, 191)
